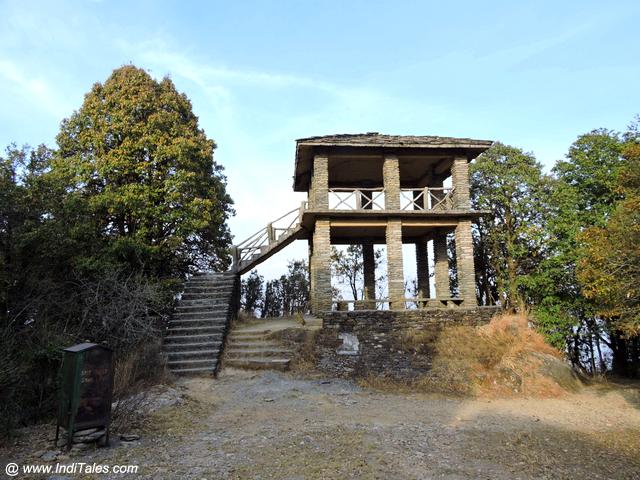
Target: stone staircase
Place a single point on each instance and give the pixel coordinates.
(195, 337)
(250, 348)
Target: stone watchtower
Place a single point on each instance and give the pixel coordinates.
(384, 189)
(362, 189)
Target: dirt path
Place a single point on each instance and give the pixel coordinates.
(270, 425)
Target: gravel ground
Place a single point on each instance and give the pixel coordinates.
(272, 425)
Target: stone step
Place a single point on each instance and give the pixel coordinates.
(232, 342)
(193, 338)
(214, 275)
(197, 290)
(192, 346)
(197, 322)
(193, 371)
(246, 352)
(223, 283)
(221, 311)
(178, 330)
(213, 297)
(220, 305)
(200, 316)
(183, 315)
(193, 354)
(201, 311)
(250, 333)
(258, 364)
(200, 337)
(212, 319)
(209, 287)
(199, 362)
(249, 338)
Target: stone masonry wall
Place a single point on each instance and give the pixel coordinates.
(320, 267)
(391, 180)
(422, 268)
(320, 183)
(460, 180)
(395, 269)
(466, 268)
(362, 343)
(441, 265)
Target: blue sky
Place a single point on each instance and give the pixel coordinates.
(261, 74)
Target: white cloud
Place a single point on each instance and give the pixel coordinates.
(32, 88)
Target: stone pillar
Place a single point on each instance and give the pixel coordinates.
(441, 265)
(464, 263)
(321, 268)
(312, 279)
(319, 189)
(391, 179)
(422, 268)
(369, 274)
(460, 182)
(395, 273)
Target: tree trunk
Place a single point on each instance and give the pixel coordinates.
(620, 361)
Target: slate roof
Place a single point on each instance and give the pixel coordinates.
(305, 148)
(375, 139)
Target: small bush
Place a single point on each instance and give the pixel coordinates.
(134, 372)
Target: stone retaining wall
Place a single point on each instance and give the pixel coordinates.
(369, 342)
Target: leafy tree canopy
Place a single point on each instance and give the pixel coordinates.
(135, 156)
(609, 266)
(510, 242)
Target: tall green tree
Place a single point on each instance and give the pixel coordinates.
(609, 267)
(135, 160)
(511, 241)
(295, 288)
(348, 268)
(272, 299)
(251, 293)
(584, 195)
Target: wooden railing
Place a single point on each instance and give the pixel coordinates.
(356, 198)
(427, 198)
(264, 238)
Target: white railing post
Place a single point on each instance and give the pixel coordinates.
(235, 259)
(271, 234)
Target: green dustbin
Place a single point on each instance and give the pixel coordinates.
(86, 389)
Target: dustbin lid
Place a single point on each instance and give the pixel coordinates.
(81, 347)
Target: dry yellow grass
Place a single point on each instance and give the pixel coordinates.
(505, 358)
(502, 358)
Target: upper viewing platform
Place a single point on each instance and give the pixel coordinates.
(374, 172)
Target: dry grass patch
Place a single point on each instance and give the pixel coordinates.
(417, 341)
(178, 420)
(502, 358)
(505, 358)
(134, 373)
(303, 344)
